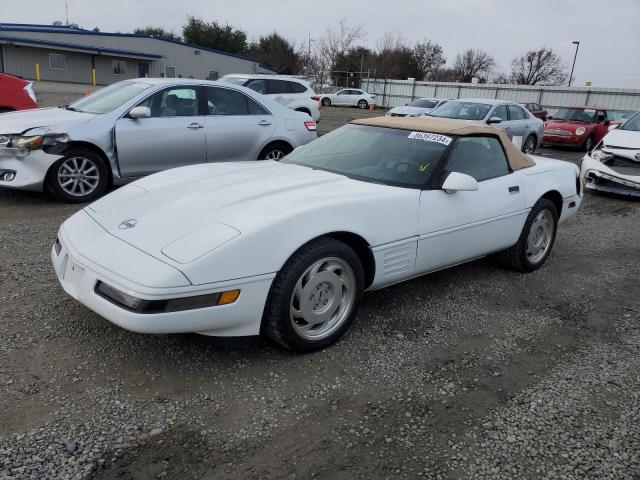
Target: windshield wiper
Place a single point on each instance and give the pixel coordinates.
(69, 107)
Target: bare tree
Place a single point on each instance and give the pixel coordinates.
(429, 57)
(473, 63)
(335, 43)
(539, 67)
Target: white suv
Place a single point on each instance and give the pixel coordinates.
(291, 92)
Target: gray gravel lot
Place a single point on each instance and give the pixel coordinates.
(473, 372)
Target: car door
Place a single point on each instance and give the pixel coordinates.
(520, 123)
(602, 127)
(237, 125)
(341, 98)
(461, 226)
(173, 136)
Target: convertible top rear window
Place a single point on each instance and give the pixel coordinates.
(376, 154)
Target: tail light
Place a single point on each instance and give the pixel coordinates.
(316, 98)
(311, 126)
(29, 89)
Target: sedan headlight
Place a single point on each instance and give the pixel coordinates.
(33, 142)
(600, 155)
(580, 130)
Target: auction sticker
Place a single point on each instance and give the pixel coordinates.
(430, 137)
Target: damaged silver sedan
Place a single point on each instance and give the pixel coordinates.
(613, 166)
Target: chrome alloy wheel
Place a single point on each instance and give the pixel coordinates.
(78, 176)
(323, 298)
(274, 155)
(529, 146)
(540, 236)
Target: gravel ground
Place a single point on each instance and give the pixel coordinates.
(473, 372)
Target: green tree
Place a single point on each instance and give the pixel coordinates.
(213, 35)
(157, 32)
(277, 52)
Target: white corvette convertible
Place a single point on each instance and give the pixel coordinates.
(287, 248)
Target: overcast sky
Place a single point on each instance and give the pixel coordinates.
(608, 30)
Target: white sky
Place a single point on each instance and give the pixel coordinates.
(608, 30)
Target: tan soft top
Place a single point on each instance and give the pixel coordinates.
(444, 126)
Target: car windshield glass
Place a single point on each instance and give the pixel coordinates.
(375, 154)
(234, 80)
(462, 110)
(424, 103)
(632, 124)
(587, 115)
(109, 98)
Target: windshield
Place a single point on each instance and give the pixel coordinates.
(234, 80)
(381, 155)
(632, 124)
(424, 103)
(109, 98)
(587, 115)
(462, 110)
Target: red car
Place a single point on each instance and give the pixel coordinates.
(537, 110)
(581, 127)
(16, 94)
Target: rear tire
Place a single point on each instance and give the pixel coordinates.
(536, 239)
(275, 151)
(326, 102)
(80, 176)
(363, 105)
(315, 296)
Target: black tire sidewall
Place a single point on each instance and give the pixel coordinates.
(326, 102)
(542, 204)
(588, 143)
(278, 305)
(366, 104)
(271, 147)
(524, 145)
(59, 194)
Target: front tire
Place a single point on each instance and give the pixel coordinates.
(315, 297)
(80, 176)
(363, 105)
(536, 239)
(529, 145)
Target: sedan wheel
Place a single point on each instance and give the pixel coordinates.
(540, 236)
(80, 176)
(529, 145)
(315, 296)
(362, 104)
(275, 154)
(326, 102)
(323, 298)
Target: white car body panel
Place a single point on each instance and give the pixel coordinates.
(209, 228)
(596, 175)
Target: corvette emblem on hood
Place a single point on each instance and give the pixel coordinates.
(132, 222)
(637, 156)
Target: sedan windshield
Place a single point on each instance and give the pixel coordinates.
(424, 103)
(462, 110)
(632, 124)
(109, 98)
(587, 115)
(381, 155)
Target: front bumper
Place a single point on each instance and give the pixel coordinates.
(75, 264)
(572, 140)
(597, 176)
(31, 168)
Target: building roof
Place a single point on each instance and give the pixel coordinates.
(447, 126)
(77, 47)
(64, 29)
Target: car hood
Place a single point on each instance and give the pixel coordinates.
(568, 125)
(622, 139)
(54, 118)
(406, 110)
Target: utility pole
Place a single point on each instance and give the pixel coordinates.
(66, 10)
(577, 44)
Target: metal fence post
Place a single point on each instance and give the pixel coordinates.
(586, 102)
(435, 91)
(413, 89)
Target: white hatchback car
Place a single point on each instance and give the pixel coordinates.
(293, 93)
(349, 97)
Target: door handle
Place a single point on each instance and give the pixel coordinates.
(514, 189)
(264, 123)
(195, 126)
(507, 128)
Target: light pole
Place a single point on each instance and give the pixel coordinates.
(577, 44)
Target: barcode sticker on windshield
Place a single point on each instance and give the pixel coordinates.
(430, 137)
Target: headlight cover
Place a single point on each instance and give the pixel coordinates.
(600, 155)
(33, 142)
(580, 130)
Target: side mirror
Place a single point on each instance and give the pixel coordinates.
(494, 120)
(140, 112)
(459, 182)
